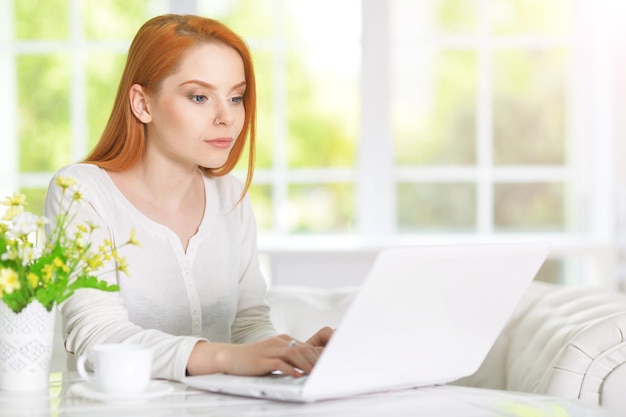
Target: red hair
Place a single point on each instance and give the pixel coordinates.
(155, 53)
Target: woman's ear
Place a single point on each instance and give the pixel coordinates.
(139, 103)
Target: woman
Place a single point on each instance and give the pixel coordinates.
(185, 106)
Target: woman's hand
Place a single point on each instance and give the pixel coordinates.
(322, 337)
(260, 358)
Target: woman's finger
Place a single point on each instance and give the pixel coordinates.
(302, 355)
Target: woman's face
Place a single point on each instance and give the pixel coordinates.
(198, 112)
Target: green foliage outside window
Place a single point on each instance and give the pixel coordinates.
(44, 129)
(41, 19)
(529, 107)
(101, 87)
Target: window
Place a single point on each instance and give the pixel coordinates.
(381, 122)
(58, 62)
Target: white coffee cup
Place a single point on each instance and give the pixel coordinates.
(118, 369)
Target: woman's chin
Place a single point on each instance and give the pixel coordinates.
(213, 165)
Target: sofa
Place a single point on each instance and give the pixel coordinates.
(562, 341)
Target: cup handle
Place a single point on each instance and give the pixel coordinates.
(80, 367)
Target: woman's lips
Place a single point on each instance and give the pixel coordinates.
(221, 143)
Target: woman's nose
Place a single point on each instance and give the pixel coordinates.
(223, 115)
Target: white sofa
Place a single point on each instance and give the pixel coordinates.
(560, 341)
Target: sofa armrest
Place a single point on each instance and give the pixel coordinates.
(570, 343)
(591, 367)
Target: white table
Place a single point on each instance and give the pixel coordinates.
(62, 401)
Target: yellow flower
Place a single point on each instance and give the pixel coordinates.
(33, 279)
(77, 196)
(58, 263)
(12, 212)
(15, 204)
(94, 262)
(122, 265)
(48, 271)
(9, 281)
(133, 239)
(16, 200)
(104, 251)
(65, 182)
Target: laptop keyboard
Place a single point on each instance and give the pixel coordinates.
(279, 379)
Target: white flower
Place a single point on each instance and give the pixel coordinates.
(73, 194)
(25, 223)
(8, 256)
(29, 254)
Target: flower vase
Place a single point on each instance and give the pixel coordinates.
(26, 342)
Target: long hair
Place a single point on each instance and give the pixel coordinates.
(155, 53)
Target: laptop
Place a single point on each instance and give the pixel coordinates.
(424, 316)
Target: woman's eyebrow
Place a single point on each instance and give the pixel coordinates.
(209, 85)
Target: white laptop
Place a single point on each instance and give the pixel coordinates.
(423, 316)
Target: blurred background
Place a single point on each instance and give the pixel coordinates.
(381, 122)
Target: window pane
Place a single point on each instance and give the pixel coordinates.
(531, 207)
(323, 208)
(423, 19)
(456, 16)
(261, 197)
(531, 16)
(116, 19)
(265, 121)
(529, 106)
(433, 107)
(322, 84)
(436, 207)
(35, 198)
(251, 19)
(104, 70)
(44, 123)
(41, 19)
(322, 117)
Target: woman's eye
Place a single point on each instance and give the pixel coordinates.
(237, 100)
(198, 98)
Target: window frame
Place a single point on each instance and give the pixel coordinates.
(9, 177)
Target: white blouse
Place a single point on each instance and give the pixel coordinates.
(172, 299)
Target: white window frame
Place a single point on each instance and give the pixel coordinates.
(9, 181)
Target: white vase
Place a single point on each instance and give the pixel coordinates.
(26, 340)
